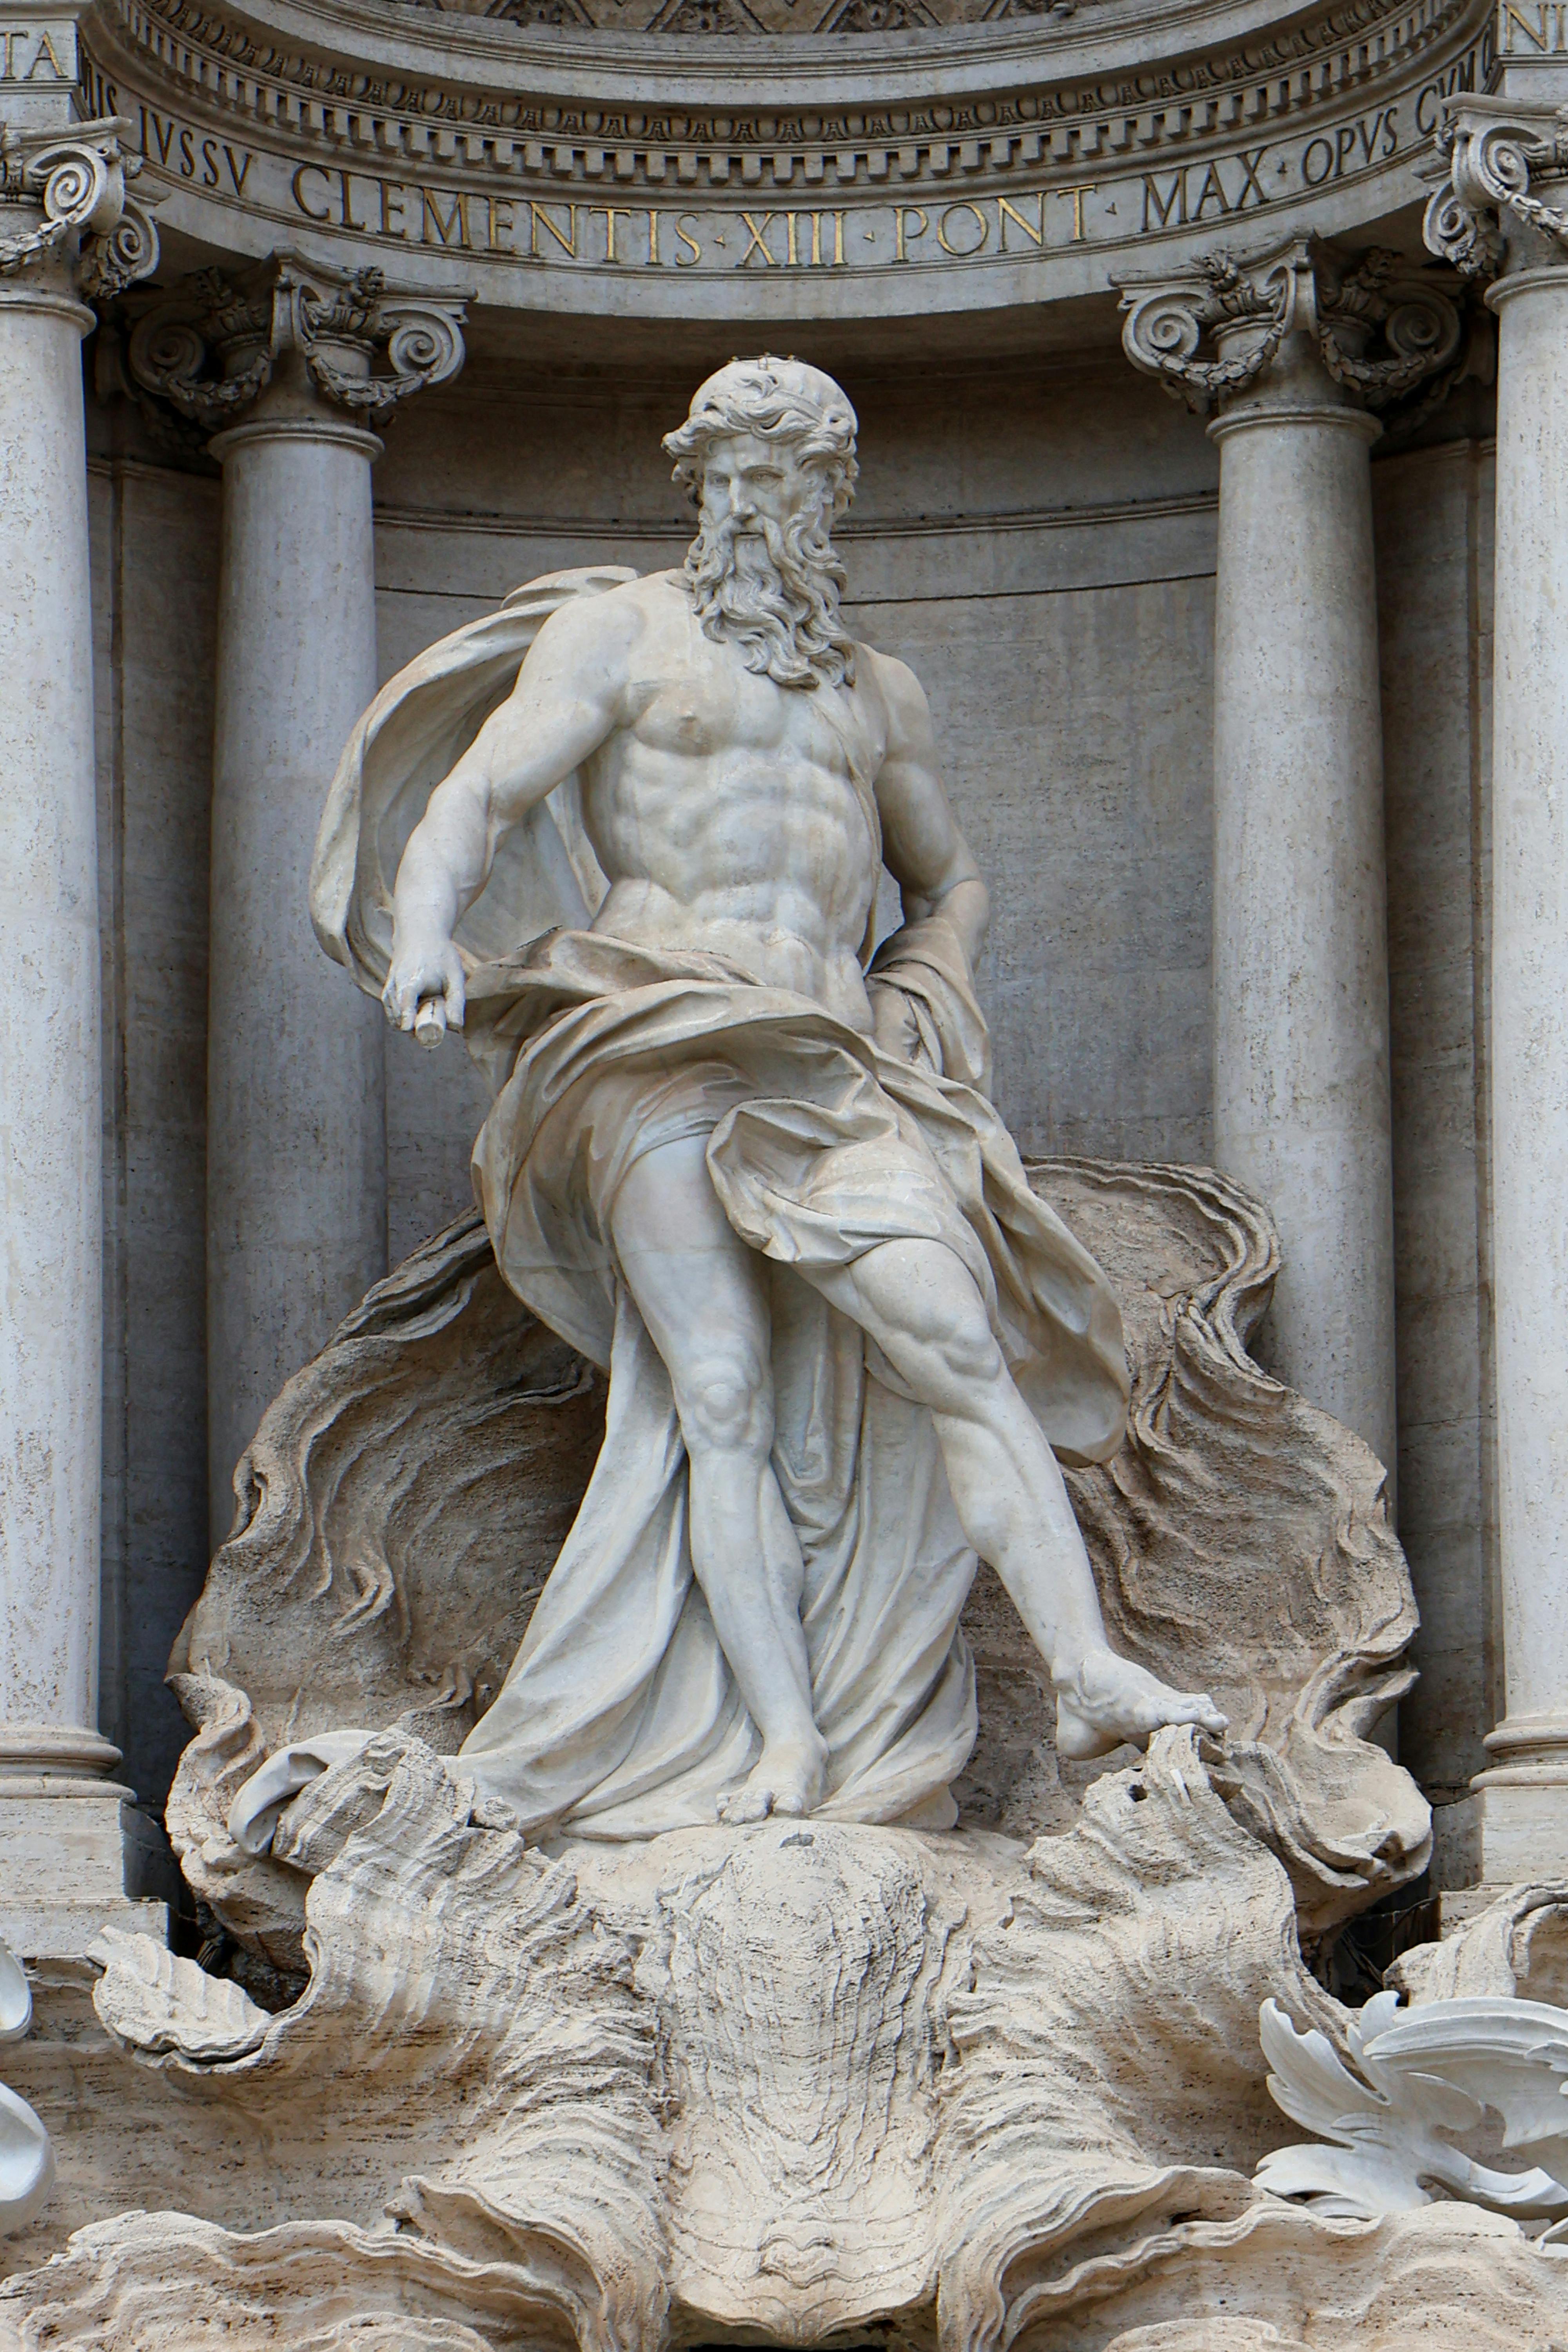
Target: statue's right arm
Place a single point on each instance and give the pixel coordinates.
(566, 701)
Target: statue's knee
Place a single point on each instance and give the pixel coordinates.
(728, 1407)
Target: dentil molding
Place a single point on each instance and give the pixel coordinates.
(1019, 161)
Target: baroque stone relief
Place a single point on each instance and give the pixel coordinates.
(948, 2027)
(1240, 1535)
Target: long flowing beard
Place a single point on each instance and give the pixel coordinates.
(774, 593)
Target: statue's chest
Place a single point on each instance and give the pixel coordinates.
(707, 708)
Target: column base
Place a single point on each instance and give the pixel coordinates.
(66, 1861)
(1521, 1803)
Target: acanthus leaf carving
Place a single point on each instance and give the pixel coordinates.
(1245, 310)
(76, 182)
(212, 347)
(1494, 152)
(1167, 324)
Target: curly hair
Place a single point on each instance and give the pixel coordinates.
(783, 400)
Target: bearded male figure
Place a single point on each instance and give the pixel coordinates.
(749, 1167)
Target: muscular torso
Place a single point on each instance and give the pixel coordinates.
(724, 814)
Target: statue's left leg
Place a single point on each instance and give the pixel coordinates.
(921, 1305)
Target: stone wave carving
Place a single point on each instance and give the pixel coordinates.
(406, 1493)
(806, 2082)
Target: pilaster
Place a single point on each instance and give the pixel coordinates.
(1502, 217)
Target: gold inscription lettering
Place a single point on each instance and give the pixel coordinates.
(1006, 211)
(538, 218)
(1078, 195)
(46, 49)
(1164, 207)
(902, 215)
(962, 252)
(1516, 19)
(693, 254)
(453, 230)
(759, 241)
(310, 172)
(612, 212)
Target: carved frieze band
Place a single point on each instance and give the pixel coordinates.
(65, 196)
(360, 114)
(212, 347)
(1380, 329)
(1485, 214)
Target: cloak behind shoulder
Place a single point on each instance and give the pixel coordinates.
(545, 873)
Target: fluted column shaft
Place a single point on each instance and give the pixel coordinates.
(1300, 967)
(296, 1127)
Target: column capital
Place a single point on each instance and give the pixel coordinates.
(1503, 207)
(309, 341)
(1357, 331)
(67, 225)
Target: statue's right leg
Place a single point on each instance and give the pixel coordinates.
(700, 1292)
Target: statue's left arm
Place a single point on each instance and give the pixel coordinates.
(921, 845)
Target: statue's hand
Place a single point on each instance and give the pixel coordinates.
(424, 971)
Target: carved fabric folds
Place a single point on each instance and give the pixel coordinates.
(620, 1718)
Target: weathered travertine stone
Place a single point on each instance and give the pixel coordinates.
(410, 1489)
(285, 358)
(1506, 209)
(1301, 978)
(66, 227)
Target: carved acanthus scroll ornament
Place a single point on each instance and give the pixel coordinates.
(65, 191)
(1216, 332)
(1485, 215)
(362, 346)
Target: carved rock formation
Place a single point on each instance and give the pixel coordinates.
(800, 2082)
(406, 1493)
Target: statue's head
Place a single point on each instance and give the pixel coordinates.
(767, 453)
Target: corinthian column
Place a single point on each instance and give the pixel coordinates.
(295, 362)
(66, 228)
(1504, 215)
(1301, 972)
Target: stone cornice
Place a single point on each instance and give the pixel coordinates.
(906, 119)
(384, 134)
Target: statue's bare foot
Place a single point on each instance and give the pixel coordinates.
(786, 1778)
(1107, 1700)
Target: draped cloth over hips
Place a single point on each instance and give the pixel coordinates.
(620, 1717)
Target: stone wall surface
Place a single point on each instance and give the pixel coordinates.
(1434, 553)
(154, 555)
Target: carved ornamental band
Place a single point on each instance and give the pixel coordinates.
(364, 346)
(62, 196)
(1486, 217)
(1379, 327)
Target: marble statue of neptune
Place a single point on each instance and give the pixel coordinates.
(748, 1165)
